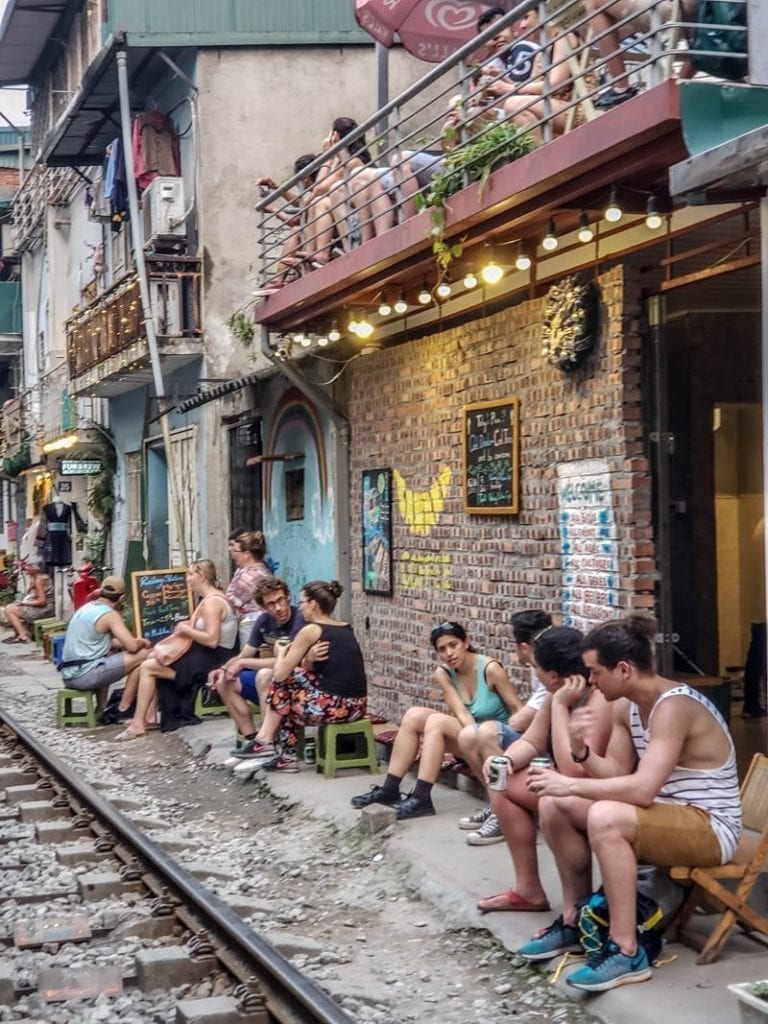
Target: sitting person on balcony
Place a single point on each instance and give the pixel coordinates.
(247, 551)
(212, 636)
(609, 27)
(293, 213)
(37, 603)
(475, 688)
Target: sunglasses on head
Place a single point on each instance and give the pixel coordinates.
(443, 627)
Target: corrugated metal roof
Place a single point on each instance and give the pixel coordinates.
(235, 22)
(24, 33)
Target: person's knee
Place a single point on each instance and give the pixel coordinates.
(469, 740)
(412, 719)
(608, 819)
(436, 724)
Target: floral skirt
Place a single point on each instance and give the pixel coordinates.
(299, 701)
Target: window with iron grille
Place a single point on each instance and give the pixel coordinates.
(245, 502)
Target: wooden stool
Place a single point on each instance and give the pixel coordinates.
(363, 756)
(65, 712)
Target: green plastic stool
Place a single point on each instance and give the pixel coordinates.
(329, 760)
(39, 626)
(65, 712)
(203, 710)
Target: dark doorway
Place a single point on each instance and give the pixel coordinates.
(245, 499)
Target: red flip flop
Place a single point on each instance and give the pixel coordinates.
(510, 900)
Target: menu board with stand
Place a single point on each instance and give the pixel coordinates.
(492, 457)
(161, 598)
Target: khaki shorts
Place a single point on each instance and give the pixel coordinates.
(639, 11)
(670, 834)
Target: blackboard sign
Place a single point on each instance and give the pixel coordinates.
(491, 457)
(161, 598)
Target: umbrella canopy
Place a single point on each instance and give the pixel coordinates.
(429, 29)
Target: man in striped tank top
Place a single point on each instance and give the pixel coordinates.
(666, 792)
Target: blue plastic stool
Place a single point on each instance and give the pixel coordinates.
(57, 650)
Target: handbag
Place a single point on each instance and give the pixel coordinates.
(169, 650)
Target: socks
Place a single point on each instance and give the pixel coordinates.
(422, 790)
(392, 783)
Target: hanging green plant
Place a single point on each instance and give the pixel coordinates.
(242, 327)
(571, 322)
(101, 502)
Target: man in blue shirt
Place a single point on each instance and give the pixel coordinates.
(280, 620)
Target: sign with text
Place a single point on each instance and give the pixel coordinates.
(161, 598)
(492, 457)
(80, 467)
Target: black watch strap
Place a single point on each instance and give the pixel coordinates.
(581, 758)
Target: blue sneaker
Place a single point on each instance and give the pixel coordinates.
(557, 939)
(611, 968)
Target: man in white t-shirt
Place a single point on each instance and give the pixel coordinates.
(489, 739)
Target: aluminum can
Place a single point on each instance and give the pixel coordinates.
(310, 751)
(541, 762)
(498, 770)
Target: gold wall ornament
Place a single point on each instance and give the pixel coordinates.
(571, 322)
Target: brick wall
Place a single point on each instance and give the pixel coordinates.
(405, 411)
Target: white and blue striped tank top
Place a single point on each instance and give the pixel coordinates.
(714, 790)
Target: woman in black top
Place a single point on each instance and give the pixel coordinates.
(335, 690)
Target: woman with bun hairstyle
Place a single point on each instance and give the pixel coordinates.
(334, 690)
(475, 689)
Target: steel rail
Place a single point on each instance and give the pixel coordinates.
(214, 912)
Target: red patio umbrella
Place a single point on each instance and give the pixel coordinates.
(429, 29)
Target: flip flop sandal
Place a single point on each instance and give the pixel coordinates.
(17, 640)
(510, 900)
(128, 734)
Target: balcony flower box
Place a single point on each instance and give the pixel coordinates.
(753, 1007)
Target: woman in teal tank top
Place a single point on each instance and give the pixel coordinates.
(475, 689)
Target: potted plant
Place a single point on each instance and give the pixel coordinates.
(753, 1001)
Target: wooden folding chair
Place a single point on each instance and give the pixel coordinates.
(563, 15)
(749, 861)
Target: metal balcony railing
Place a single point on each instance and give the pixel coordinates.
(61, 412)
(540, 72)
(43, 186)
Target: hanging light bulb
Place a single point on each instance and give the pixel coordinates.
(322, 341)
(305, 340)
(491, 273)
(653, 220)
(470, 280)
(299, 338)
(549, 242)
(444, 288)
(364, 328)
(424, 296)
(523, 260)
(353, 324)
(334, 334)
(401, 306)
(586, 233)
(385, 308)
(613, 212)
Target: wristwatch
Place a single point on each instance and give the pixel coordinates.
(581, 758)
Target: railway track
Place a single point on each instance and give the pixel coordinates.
(118, 930)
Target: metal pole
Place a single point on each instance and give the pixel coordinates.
(764, 389)
(382, 92)
(137, 240)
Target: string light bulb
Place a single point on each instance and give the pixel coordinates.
(385, 308)
(549, 242)
(613, 212)
(586, 232)
(470, 280)
(353, 325)
(523, 260)
(491, 273)
(653, 219)
(364, 328)
(444, 288)
(334, 334)
(322, 341)
(424, 296)
(305, 340)
(401, 306)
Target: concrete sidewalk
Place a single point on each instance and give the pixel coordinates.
(452, 875)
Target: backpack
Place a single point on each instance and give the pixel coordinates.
(658, 900)
(722, 28)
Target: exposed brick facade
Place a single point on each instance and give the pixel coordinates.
(406, 413)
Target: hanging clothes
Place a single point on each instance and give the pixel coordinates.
(155, 147)
(115, 183)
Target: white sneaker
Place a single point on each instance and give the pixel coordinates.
(474, 821)
(246, 768)
(488, 833)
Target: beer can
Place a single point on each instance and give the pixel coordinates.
(498, 773)
(310, 751)
(541, 762)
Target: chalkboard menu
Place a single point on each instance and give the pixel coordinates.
(161, 598)
(491, 457)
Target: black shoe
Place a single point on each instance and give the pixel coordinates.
(112, 715)
(411, 807)
(376, 795)
(613, 97)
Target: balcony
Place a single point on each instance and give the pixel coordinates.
(107, 348)
(42, 187)
(62, 414)
(445, 148)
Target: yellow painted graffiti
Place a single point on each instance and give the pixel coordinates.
(421, 510)
(425, 569)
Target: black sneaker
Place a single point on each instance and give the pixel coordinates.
(254, 749)
(112, 715)
(411, 807)
(613, 97)
(376, 795)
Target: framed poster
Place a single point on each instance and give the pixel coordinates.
(377, 531)
(492, 457)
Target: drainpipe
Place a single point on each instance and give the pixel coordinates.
(137, 240)
(764, 385)
(341, 438)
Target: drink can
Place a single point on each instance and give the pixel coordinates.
(541, 762)
(310, 751)
(498, 773)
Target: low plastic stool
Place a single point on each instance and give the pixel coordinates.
(65, 712)
(39, 625)
(49, 639)
(203, 710)
(57, 648)
(329, 760)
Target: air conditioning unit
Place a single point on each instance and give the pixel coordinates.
(163, 205)
(166, 307)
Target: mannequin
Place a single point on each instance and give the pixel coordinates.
(58, 518)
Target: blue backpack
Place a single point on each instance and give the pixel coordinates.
(722, 33)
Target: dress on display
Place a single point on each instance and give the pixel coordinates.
(58, 548)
